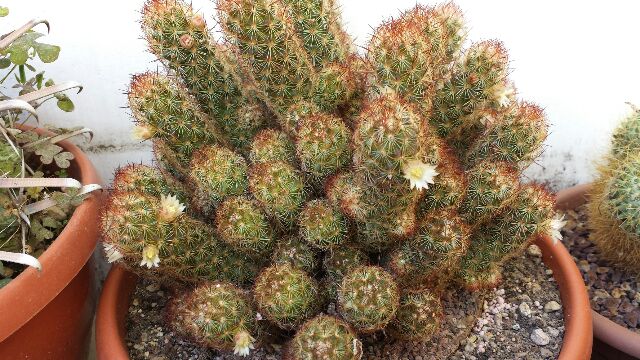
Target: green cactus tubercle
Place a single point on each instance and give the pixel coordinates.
(297, 253)
(279, 188)
(285, 295)
(368, 298)
(325, 337)
(321, 225)
(219, 315)
(418, 315)
(243, 225)
(216, 173)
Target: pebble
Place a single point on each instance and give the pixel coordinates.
(553, 331)
(552, 306)
(539, 337)
(632, 318)
(546, 353)
(524, 309)
(534, 250)
(618, 293)
(584, 265)
(600, 294)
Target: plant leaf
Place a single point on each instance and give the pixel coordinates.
(62, 159)
(50, 222)
(4, 282)
(66, 104)
(19, 56)
(46, 52)
(5, 63)
(4, 11)
(47, 151)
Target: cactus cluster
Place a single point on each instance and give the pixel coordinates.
(615, 198)
(305, 173)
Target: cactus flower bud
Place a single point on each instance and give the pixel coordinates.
(198, 22)
(186, 41)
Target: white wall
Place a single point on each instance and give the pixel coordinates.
(578, 59)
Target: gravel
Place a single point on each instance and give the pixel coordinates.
(515, 323)
(614, 293)
(520, 319)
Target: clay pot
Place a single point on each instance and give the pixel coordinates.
(120, 284)
(48, 314)
(611, 341)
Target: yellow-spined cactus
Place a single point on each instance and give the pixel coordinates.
(615, 198)
(399, 168)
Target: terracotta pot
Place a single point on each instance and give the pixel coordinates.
(48, 314)
(612, 341)
(120, 284)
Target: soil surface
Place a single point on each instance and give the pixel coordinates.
(521, 319)
(614, 293)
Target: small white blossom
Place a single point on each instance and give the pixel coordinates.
(243, 343)
(112, 253)
(555, 226)
(504, 93)
(150, 256)
(141, 132)
(357, 347)
(419, 174)
(170, 208)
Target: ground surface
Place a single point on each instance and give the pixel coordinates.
(521, 319)
(614, 293)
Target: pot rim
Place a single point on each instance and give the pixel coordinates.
(604, 329)
(120, 284)
(32, 290)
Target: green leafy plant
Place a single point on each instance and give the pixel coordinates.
(399, 167)
(37, 196)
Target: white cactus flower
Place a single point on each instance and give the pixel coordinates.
(555, 226)
(419, 174)
(150, 256)
(170, 208)
(112, 253)
(141, 132)
(504, 93)
(243, 343)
